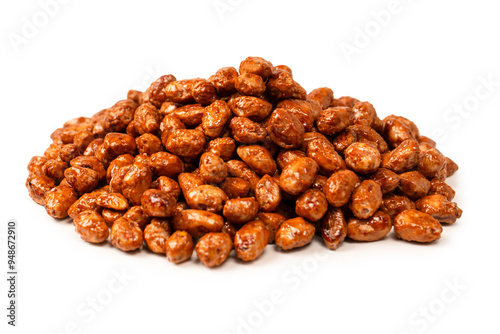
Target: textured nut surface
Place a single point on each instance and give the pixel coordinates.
(258, 158)
(214, 248)
(362, 158)
(156, 234)
(339, 187)
(311, 205)
(285, 129)
(268, 193)
(366, 199)
(38, 186)
(126, 235)
(333, 228)
(206, 197)
(58, 201)
(91, 227)
(413, 225)
(374, 228)
(251, 240)
(294, 233)
(240, 210)
(298, 176)
(197, 222)
(440, 208)
(212, 168)
(394, 204)
(157, 203)
(113, 201)
(179, 247)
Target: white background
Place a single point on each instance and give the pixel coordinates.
(428, 58)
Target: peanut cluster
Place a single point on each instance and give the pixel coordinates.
(238, 161)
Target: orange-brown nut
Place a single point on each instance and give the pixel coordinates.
(367, 134)
(339, 187)
(118, 117)
(58, 201)
(148, 144)
(345, 139)
(246, 131)
(92, 147)
(240, 210)
(285, 157)
(294, 233)
(214, 119)
(334, 120)
(403, 158)
(258, 66)
(258, 158)
(134, 95)
(309, 137)
(206, 197)
(319, 182)
(214, 248)
(212, 168)
(156, 234)
(364, 113)
(254, 108)
(157, 203)
(268, 193)
(115, 165)
(298, 176)
(155, 93)
(188, 181)
(55, 169)
(311, 205)
(91, 227)
(413, 185)
(272, 221)
(35, 166)
(240, 169)
(282, 86)
(323, 95)
(197, 222)
(82, 140)
(224, 79)
(386, 179)
(85, 202)
(179, 247)
(250, 84)
(362, 158)
(432, 164)
(413, 225)
(119, 143)
(223, 147)
(251, 240)
(169, 124)
(442, 188)
(89, 162)
(346, 101)
(167, 185)
(166, 164)
(38, 186)
(425, 143)
(68, 152)
(147, 119)
(113, 201)
(126, 235)
(204, 92)
(333, 228)
(366, 199)
(285, 129)
(190, 115)
(83, 180)
(394, 204)
(186, 143)
(451, 167)
(235, 187)
(328, 160)
(302, 110)
(440, 208)
(136, 180)
(110, 216)
(180, 91)
(371, 229)
(137, 215)
(397, 129)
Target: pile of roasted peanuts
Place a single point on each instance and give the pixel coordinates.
(241, 160)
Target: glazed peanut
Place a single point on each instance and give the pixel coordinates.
(222, 147)
(179, 247)
(268, 193)
(334, 120)
(38, 187)
(272, 221)
(206, 197)
(413, 225)
(386, 179)
(215, 117)
(235, 187)
(214, 248)
(212, 168)
(246, 131)
(403, 158)
(113, 201)
(371, 229)
(298, 176)
(185, 143)
(394, 204)
(413, 185)
(156, 234)
(328, 160)
(157, 203)
(440, 208)
(311, 205)
(250, 240)
(339, 187)
(240, 210)
(442, 188)
(285, 129)
(91, 227)
(258, 158)
(254, 108)
(58, 201)
(126, 235)
(197, 222)
(362, 158)
(333, 228)
(366, 199)
(294, 233)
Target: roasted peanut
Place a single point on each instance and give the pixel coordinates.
(285, 129)
(364, 113)
(362, 158)
(442, 188)
(282, 86)
(440, 208)
(311, 205)
(371, 229)
(272, 221)
(250, 84)
(333, 228)
(258, 158)
(334, 120)
(148, 144)
(55, 169)
(394, 204)
(156, 234)
(91, 227)
(118, 117)
(212, 168)
(240, 210)
(302, 110)
(214, 248)
(58, 201)
(397, 130)
(214, 119)
(206, 197)
(186, 143)
(197, 222)
(166, 164)
(403, 158)
(413, 225)
(38, 186)
(155, 93)
(118, 143)
(223, 147)
(386, 179)
(285, 157)
(224, 80)
(298, 176)
(204, 92)
(126, 235)
(339, 187)
(84, 180)
(328, 160)
(113, 201)
(246, 131)
(432, 164)
(115, 165)
(254, 108)
(35, 166)
(413, 185)
(136, 180)
(190, 115)
(85, 202)
(89, 162)
(235, 187)
(240, 169)
(257, 66)
(268, 193)
(323, 95)
(188, 181)
(179, 247)
(294, 233)
(451, 167)
(68, 152)
(366, 199)
(137, 215)
(110, 215)
(157, 203)
(251, 240)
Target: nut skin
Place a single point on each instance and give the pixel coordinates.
(168, 186)
(394, 204)
(91, 163)
(126, 235)
(156, 234)
(204, 92)
(157, 203)
(197, 222)
(254, 108)
(366, 199)
(397, 129)
(246, 131)
(333, 228)
(294, 233)
(413, 225)
(311, 205)
(240, 210)
(258, 158)
(268, 194)
(186, 143)
(371, 229)
(212, 168)
(116, 164)
(206, 197)
(58, 201)
(38, 186)
(251, 240)
(403, 158)
(110, 215)
(235, 187)
(440, 208)
(179, 247)
(91, 227)
(118, 117)
(368, 134)
(298, 176)
(386, 179)
(214, 119)
(285, 129)
(362, 158)
(68, 152)
(328, 160)
(339, 187)
(334, 120)
(413, 185)
(214, 248)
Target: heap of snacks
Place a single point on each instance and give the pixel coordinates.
(241, 160)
